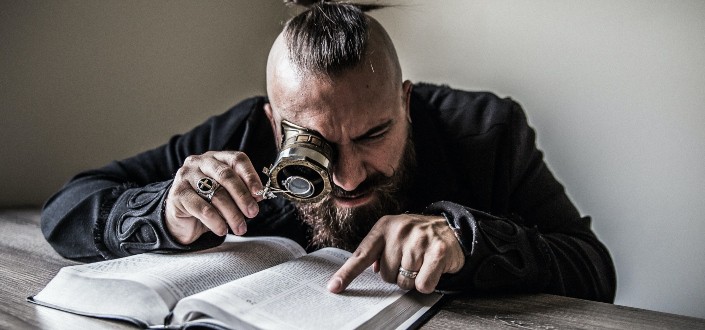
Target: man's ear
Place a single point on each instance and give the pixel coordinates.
(407, 86)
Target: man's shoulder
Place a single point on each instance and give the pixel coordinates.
(246, 106)
(245, 111)
(464, 112)
(227, 129)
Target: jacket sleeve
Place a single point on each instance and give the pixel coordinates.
(541, 244)
(503, 255)
(116, 210)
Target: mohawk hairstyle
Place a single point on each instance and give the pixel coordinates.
(328, 37)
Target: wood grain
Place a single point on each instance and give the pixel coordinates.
(28, 263)
(543, 311)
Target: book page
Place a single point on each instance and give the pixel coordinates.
(146, 287)
(293, 295)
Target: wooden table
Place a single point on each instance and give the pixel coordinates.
(27, 263)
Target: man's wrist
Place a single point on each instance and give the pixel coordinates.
(457, 233)
(462, 226)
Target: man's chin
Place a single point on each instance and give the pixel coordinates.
(343, 222)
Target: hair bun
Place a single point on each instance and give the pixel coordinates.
(306, 3)
(311, 3)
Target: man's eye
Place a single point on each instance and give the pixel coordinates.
(376, 136)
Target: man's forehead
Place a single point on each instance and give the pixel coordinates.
(356, 94)
(323, 101)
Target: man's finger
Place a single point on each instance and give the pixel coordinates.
(430, 272)
(365, 255)
(242, 165)
(207, 213)
(226, 174)
(232, 214)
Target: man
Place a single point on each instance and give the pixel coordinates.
(412, 168)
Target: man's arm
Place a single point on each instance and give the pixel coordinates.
(118, 210)
(492, 254)
(503, 254)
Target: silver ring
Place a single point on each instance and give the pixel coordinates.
(206, 188)
(407, 273)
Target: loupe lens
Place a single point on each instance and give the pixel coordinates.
(299, 186)
(302, 169)
(301, 181)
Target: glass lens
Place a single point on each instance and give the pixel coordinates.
(299, 186)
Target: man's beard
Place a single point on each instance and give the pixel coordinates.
(346, 227)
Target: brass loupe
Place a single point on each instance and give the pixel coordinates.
(302, 169)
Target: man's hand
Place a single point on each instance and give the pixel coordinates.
(188, 215)
(415, 242)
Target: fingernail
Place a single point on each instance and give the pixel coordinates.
(242, 228)
(334, 285)
(253, 209)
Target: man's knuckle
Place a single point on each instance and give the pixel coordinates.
(425, 287)
(224, 172)
(182, 172)
(394, 228)
(403, 283)
(252, 177)
(207, 211)
(242, 194)
(240, 157)
(421, 241)
(192, 159)
(435, 254)
(181, 192)
(237, 218)
(360, 254)
(385, 220)
(440, 250)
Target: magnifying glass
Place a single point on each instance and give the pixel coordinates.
(302, 169)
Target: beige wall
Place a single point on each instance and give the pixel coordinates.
(86, 82)
(614, 89)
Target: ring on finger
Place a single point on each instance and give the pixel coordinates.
(407, 273)
(206, 188)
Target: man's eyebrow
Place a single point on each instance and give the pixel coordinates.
(374, 130)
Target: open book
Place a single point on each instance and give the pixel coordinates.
(245, 283)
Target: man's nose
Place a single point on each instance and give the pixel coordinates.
(349, 169)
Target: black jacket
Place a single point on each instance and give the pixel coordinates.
(474, 150)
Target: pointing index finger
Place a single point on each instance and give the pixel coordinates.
(365, 255)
